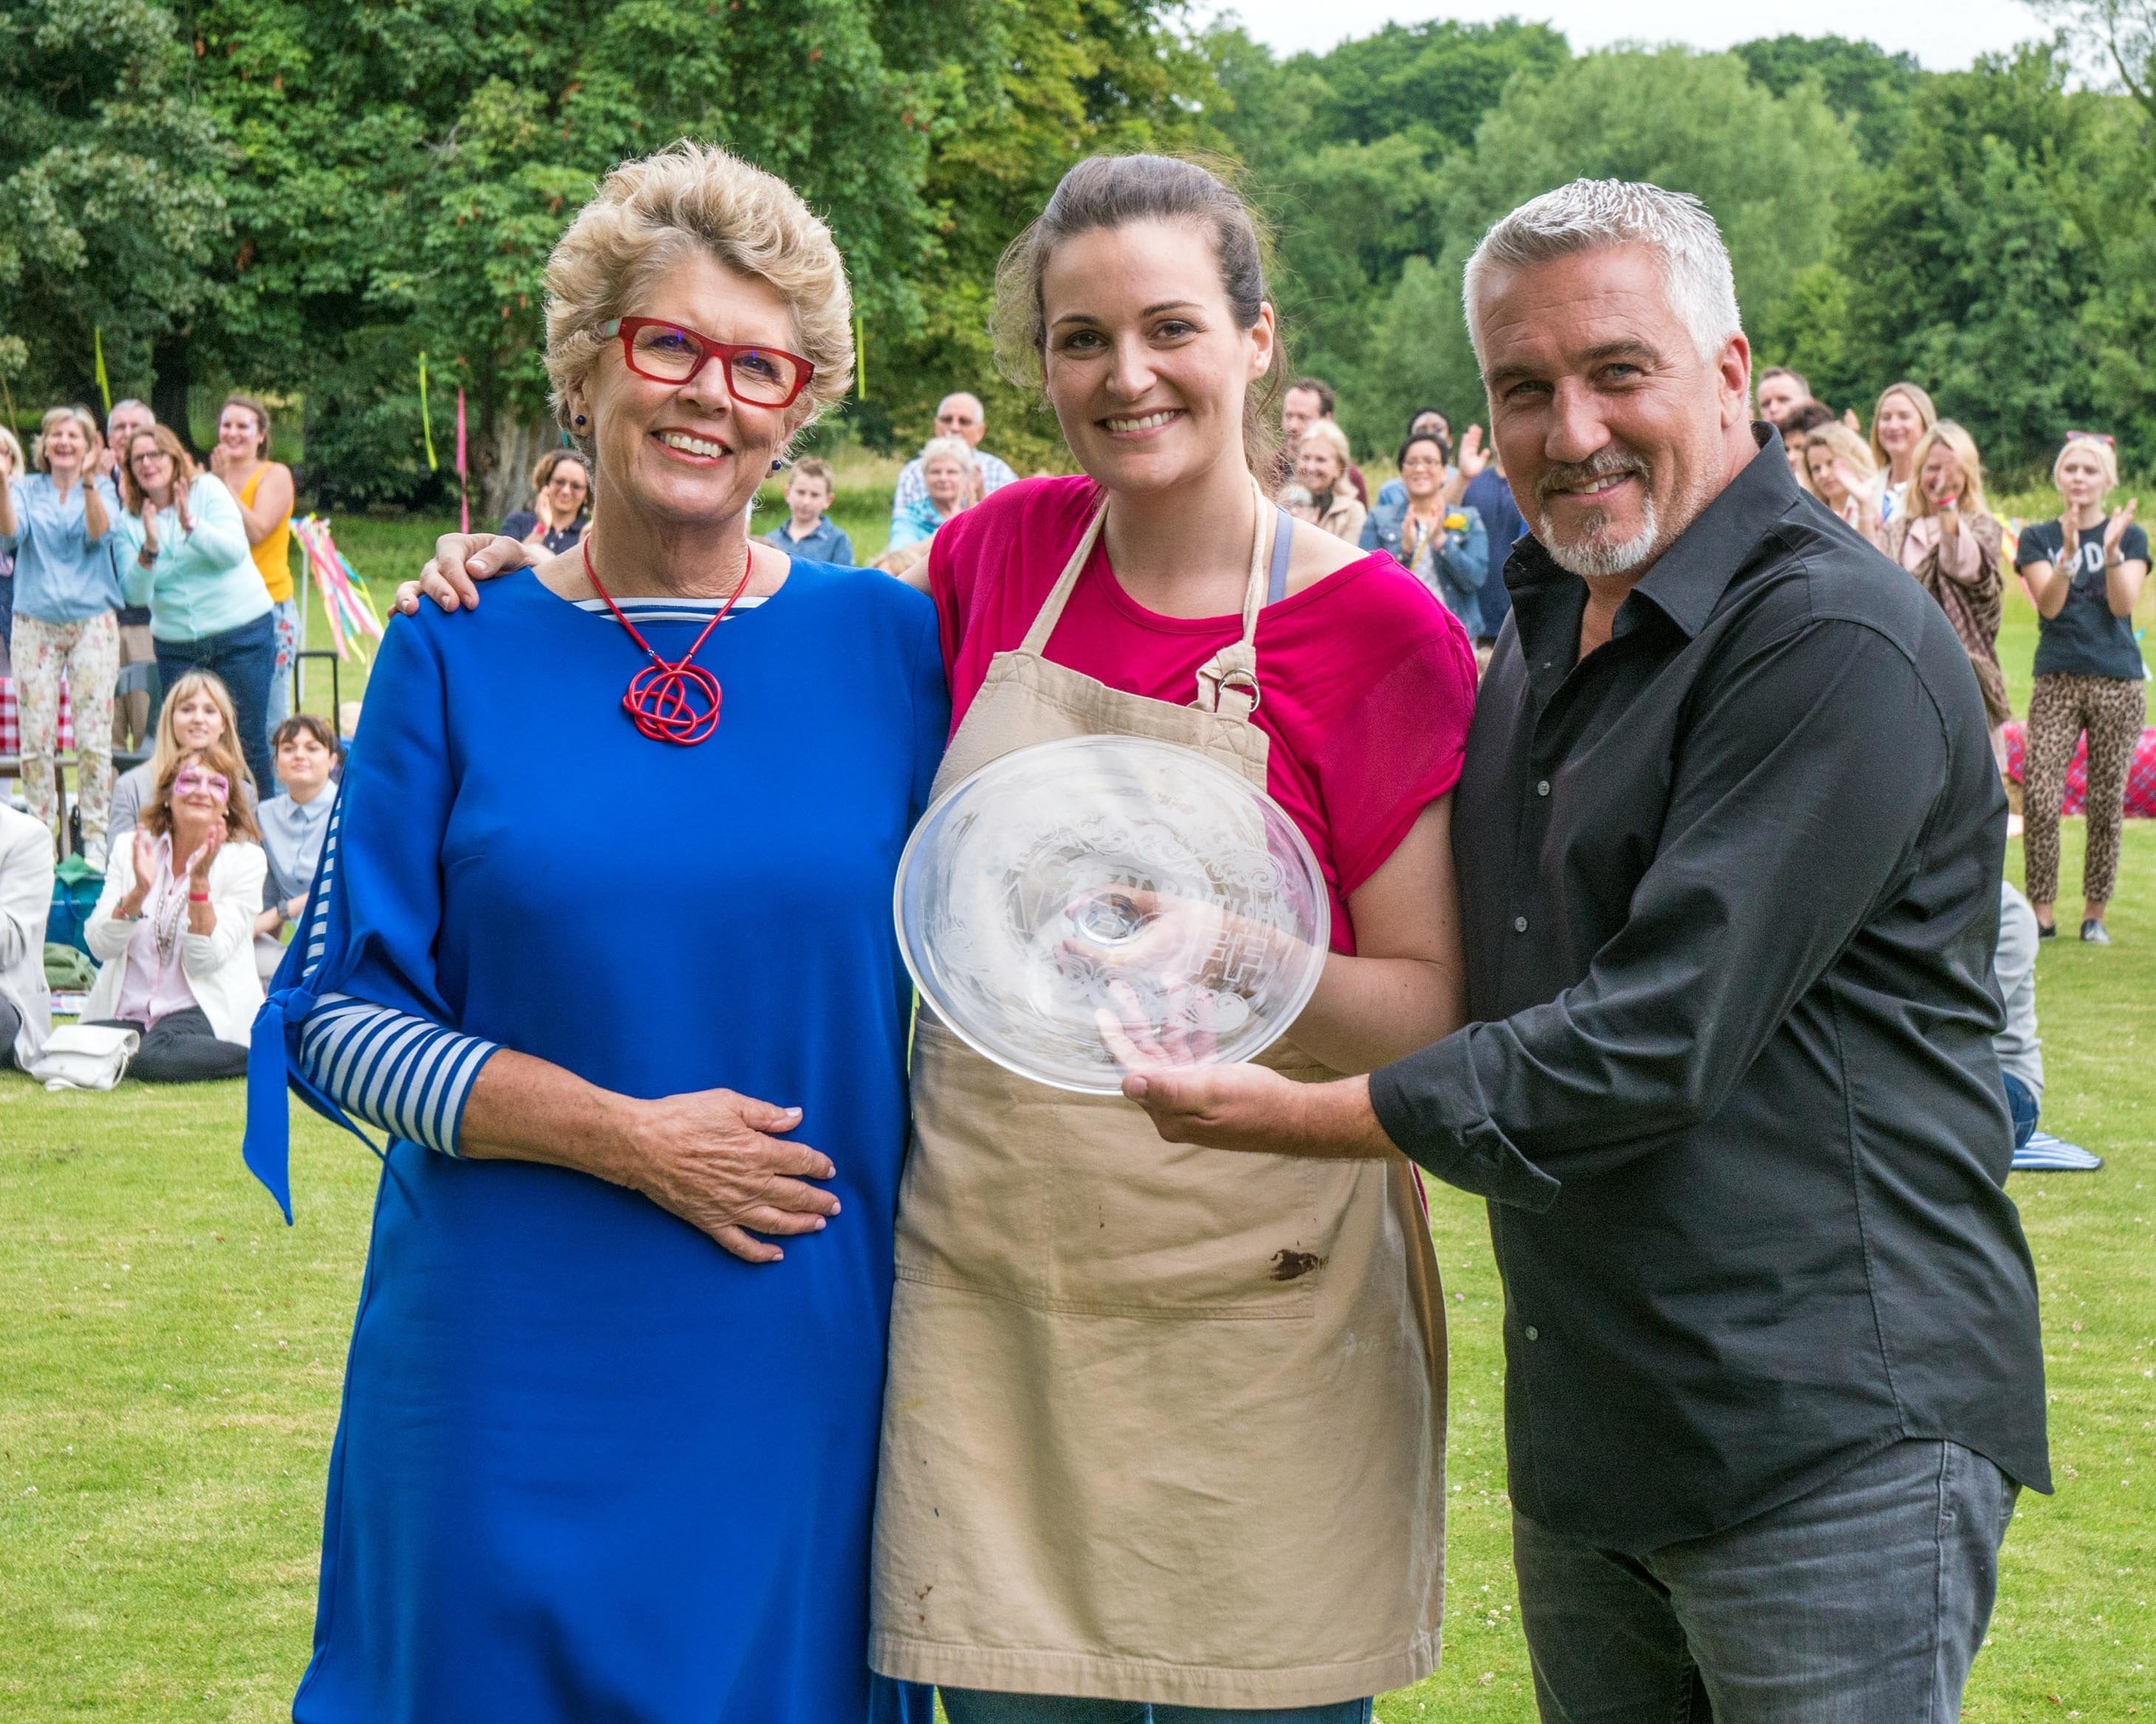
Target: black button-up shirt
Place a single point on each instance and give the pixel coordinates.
(1730, 889)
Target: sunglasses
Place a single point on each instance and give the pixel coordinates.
(669, 353)
(190, 779)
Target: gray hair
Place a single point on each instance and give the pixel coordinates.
(1589, 214)
(949, 448)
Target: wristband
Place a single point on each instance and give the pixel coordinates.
(198, 897)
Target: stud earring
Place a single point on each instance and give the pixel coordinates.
(581, 420)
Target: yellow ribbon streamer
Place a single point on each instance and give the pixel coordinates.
(860, 360)
(104, 386)
(426, 420)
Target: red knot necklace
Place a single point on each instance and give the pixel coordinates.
(677, 702)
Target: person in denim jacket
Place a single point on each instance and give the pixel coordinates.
(1446, 549)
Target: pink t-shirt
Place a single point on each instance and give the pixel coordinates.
(1369, 681)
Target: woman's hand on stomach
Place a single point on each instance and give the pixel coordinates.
(715, 1158)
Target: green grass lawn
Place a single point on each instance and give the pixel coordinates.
(171, 1353)
(170, 1356)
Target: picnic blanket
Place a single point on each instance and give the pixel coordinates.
(2140, 776)
(11, 732)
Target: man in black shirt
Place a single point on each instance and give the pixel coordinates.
(1729, 837)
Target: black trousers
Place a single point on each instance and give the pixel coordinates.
(183, 1049)
(11, 1026)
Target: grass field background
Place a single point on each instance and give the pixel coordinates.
(171, 1356)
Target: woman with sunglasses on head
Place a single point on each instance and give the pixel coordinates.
(197, 712)
(185, 554)
(610, 1435)
(1132, 1388)
(2085, 571)
(173, 927)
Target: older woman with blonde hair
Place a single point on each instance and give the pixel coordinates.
(608, 1443)
(950, 481)
(1321, 461)
(54, 520)
(1945, 536)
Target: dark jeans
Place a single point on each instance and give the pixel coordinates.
(7, 609)
(2023, 1104)
(11, 1026)
(245, 658)
(1862, 1602)
(975, 1706)
(182, 1049)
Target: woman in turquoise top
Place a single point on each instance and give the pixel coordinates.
(55, 521)
(188, 559)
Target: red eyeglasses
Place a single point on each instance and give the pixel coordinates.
(668, 353)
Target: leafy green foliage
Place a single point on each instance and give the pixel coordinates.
(1867, 86)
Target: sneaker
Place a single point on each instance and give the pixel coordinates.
(2047, 931)
(2092, 933)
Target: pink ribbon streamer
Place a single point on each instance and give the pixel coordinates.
(464, 486)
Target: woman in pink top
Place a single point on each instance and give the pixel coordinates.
(1163, 1431)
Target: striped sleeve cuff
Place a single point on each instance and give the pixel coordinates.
(406, 1074)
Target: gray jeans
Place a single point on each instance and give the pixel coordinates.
(1863, 1601)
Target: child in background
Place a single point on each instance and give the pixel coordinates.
(293, 822)
(809, 533)
(2020, 1051)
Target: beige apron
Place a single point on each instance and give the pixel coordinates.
(1162, 1423)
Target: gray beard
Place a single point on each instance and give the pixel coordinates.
(1595, 559)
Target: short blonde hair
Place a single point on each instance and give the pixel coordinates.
(2106, 458)
(1958, 442)
(1328, 433)
(651, 212)
(81, 415)
(11, 446)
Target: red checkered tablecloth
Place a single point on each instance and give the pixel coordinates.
(2140, 776)
(11, 730)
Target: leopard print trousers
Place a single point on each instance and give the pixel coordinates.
(2112, 710)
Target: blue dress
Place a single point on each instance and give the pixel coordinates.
(589, 1465)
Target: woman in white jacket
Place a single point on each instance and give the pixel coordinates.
(173, 928)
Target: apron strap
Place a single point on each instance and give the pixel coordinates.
(1051, 609)
(1228, 681)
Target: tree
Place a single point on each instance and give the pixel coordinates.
(1972, 257)
(1769, 168)
(2119, 35)
(111, 218)
(1867, 86)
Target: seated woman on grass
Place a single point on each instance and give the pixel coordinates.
(953, 483)
(173, 928)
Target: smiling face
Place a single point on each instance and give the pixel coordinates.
(303, 765)
(690, 452)
(1778, 397)
(946, 480)
(238, 433)
(199, 789)
(196, 722)
(151, 466)
(1613, 431)
(1942, 477)
(1899, 425)
(1820, 463)
(568, 488)
(65, 448)
(1422, 471)
(2082, 481)
(961, 415)
(1145, 367)
(1317, 466)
